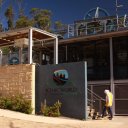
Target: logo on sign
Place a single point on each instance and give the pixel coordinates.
(60, 76)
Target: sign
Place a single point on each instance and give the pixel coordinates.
(66, 83)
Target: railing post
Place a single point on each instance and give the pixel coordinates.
(100, 106)
(92, 97)
(105, 26)
(86, 29)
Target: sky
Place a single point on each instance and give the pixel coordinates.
(68, 11)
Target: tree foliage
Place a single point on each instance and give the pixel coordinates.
(23, 21)
(36, 17)
(9, 13)
(20, 7)
(60, 28)
(41, 18)
(1, 26)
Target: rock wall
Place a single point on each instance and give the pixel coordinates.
(18, 79)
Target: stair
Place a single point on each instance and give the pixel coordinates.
(94, 107)
(92, 114)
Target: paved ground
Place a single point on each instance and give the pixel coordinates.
(9, 119)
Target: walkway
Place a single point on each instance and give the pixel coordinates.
(10, 119)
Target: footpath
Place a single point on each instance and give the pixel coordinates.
(10, 119)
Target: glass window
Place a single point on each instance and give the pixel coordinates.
(121, 106)
(96, 54)
(121, 92)
(120, 57)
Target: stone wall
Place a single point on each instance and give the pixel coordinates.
(18, 79)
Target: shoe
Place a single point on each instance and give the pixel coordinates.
(110, 118)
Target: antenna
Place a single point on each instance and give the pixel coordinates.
(117, 6)
(97, 13)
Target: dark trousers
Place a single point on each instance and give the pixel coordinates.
(109, 109)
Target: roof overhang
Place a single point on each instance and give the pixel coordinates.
(9, 37)
(95, 37)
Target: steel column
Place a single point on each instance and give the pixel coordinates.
(20, 55)
(1, 53)
(56, 51)
(30, 47)
(111, 73)
(40, 61)
(66, 52)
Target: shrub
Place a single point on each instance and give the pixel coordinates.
(16, 103)
(52, 111)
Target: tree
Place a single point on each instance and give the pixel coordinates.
(60, 28)
(1, 26)
(20, 7)
(23, 21)
(41, 18)
(1, 2)
(10, 17)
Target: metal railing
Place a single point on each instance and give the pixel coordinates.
(94, 99)
(13, 58)
(97, 26)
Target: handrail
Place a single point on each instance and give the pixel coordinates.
(95, 98)
(97, 26)
(95, 95)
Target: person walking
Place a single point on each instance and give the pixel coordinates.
(108, 104)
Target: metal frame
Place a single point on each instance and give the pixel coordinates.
(112, 82)
(8, 38)
(73, 28)
(55, 38)
(111, 73)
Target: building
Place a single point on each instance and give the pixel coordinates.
(102, 42)
(17, 70)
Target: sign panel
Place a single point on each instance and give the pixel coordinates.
(66, 83)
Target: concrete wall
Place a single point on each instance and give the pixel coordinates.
(72, 92)
(18, 79)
